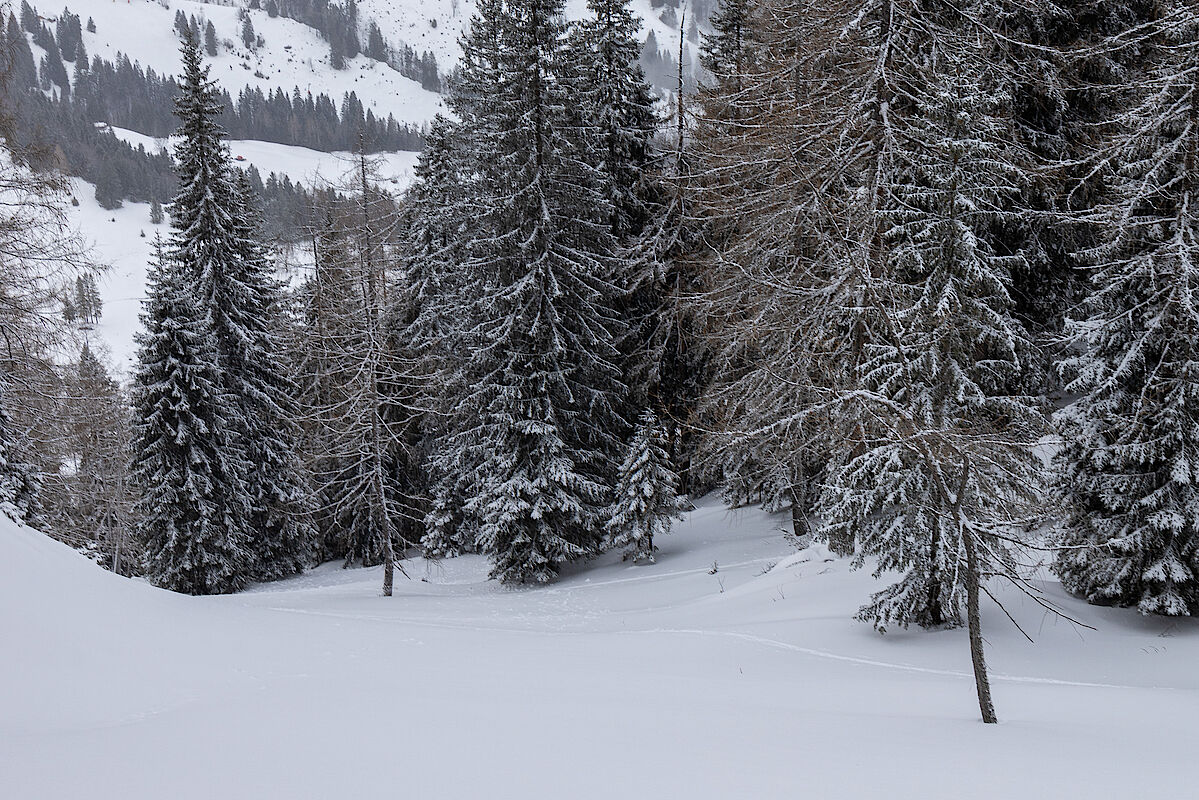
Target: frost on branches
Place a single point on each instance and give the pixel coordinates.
(194, 512)
(940, 491)
(647, 498)
(1132, 440)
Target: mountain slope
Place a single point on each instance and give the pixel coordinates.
(292, 54)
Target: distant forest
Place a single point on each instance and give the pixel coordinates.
(61, 115)
(339, 27)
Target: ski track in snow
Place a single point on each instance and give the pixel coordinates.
(872, 662)
(735, 635)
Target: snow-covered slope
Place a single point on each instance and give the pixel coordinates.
(295, 55)
(292, 54)
(117, 240)
(666, 680)
(301, 164)
(436, 25)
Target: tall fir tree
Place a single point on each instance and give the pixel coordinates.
(728, 52)
(215, 244)
(616, 103)
(283, 536)
(548, 392)
(193, 509)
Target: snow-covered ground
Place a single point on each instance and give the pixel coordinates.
(436, 25)
(301, 164)
(619, 681)
(116, 242)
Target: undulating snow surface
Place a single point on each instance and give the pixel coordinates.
(619, 681)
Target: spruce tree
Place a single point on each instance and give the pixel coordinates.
(283, 536)
(617, 105)
(248, 37)
(1129, 463)
(646, 498)
(430, 312)
(953, 465)
(547, 393)
(215, 242)
(728, 51)
(210, 39)
(193, 510)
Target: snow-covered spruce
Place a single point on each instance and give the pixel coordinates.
(540, 433)
(283, 535)
(1131, 460)
(193, 512)
(213, 253)
(215, 241)
(617, 105)
(951, 468)
(647, 499)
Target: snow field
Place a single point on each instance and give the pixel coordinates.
(660, 680)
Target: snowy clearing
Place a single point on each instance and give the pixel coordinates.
(660, 680)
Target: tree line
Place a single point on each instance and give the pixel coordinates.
(125, 94)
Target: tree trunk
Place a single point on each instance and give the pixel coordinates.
(981, 683)
(799, 510)
(389, 568)
(935, 612)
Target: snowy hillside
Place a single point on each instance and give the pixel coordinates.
(292, 54)
(618, 682)
(437, 24)
(301, 164)
(116, 236)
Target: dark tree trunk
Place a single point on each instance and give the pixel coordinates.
(799, 504)
(981, 682)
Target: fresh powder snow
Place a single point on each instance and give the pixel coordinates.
(657, 680)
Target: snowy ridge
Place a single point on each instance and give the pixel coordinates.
(633, 681)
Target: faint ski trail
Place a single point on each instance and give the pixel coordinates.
(744, 637)
(780, 645)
